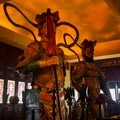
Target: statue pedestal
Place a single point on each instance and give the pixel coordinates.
(32, 104)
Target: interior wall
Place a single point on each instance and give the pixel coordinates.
(110, 67)
(9, 55)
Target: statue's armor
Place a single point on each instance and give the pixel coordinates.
(46, 78)
(87, 73)
(88, 79)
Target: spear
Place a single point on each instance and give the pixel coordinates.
(51, 48)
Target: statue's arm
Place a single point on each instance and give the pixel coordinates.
(39, 64)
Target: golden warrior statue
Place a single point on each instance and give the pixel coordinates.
(88, 74)
(40, 57)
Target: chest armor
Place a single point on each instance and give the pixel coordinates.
(92, 78)
(91, 70)
(46, 77)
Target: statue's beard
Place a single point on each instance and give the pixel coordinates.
(88, 59)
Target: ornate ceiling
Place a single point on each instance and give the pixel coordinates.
(95, 20)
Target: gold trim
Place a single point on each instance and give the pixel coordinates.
(42, 63)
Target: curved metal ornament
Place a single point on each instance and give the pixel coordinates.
(69, 46)
(5, 5)
(74, 40)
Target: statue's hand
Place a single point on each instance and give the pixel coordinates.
(53, 60)
(109, 99)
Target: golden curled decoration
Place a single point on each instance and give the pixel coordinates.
(5, 5)
(69, 46)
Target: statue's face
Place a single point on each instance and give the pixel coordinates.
(88, 54)
(42, 29)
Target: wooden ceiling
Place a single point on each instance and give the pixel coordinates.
(95, 20)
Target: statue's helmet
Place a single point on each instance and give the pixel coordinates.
(88, 43)
(87, 47)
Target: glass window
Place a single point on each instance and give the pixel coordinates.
(118, 94)
(1, 90)
(29, 86)
(112, 91)
(10, 89)
(21, 88)
(76, 94)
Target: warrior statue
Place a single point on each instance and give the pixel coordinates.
(40, 57)
(88, 80)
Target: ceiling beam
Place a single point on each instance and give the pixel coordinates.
(12, 38)
(102, 50)
(17, 40)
